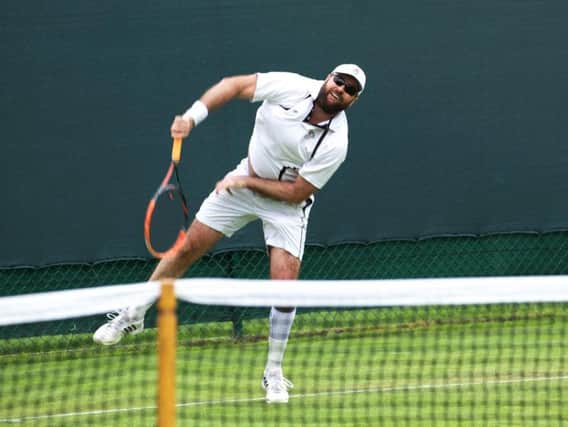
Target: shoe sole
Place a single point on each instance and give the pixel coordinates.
(107, 343)
(122, 335)
(277, 401)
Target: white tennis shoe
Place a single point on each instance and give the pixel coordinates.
(276, 386)
(119, 324)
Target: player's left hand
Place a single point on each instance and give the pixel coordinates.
(230, 182)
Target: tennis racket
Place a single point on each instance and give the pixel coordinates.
(167, 193)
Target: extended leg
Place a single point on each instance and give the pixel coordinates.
(199, 239)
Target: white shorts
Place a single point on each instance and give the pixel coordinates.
(284, 224)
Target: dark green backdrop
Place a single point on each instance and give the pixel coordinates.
(461, 131)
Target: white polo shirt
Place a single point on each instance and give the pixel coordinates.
(282, 144)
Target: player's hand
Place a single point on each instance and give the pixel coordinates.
(230, 182)
(181, 127)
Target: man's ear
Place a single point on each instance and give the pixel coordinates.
(354, 101)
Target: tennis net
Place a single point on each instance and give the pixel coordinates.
(438, 352)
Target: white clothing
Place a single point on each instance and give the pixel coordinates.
(284, 224)
(282, 146)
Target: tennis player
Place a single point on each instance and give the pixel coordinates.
(299, 140)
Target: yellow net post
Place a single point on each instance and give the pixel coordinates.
(167, 330)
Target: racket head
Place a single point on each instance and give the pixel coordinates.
(170, 198)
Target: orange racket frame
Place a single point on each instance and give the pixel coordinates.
(168, 188)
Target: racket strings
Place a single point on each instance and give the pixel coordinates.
(182, 195)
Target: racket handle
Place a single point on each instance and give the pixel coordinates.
(176, 150)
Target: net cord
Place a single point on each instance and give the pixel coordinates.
(303, 293)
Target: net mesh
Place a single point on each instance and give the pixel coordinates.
(432, 366)
(495, 255)
(488, 351)
(57, 380)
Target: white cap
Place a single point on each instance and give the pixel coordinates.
(354, 71)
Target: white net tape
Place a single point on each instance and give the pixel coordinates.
(303, 293)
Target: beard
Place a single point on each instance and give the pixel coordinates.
(325, 105)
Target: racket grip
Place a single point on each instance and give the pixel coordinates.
(176, 150)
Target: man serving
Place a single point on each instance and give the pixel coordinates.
(299, 140)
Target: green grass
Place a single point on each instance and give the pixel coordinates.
(482, 366)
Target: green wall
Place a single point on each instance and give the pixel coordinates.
(461, 130)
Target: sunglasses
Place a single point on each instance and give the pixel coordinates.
(350, 89)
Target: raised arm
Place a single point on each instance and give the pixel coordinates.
(240, 87)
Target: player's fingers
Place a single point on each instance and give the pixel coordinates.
(225, 184)
(219, 187)
(175, 133)
(180, 127)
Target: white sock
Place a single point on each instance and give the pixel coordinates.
(280, 326)
(276, 349)
(138, 312)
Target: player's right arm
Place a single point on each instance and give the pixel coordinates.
(240, 87)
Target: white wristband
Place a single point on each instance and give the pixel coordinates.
(198, 112)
